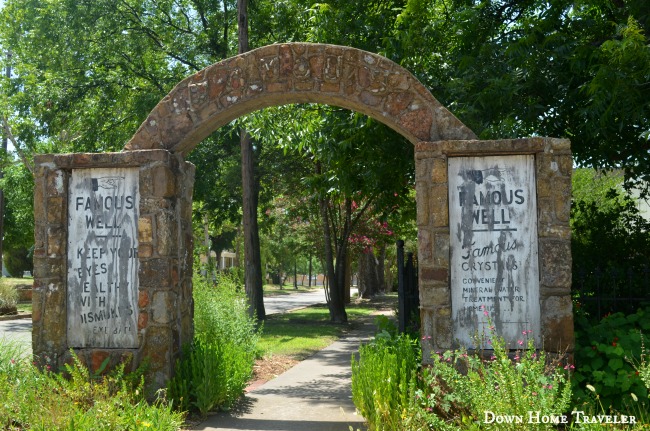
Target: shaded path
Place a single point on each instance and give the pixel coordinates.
(315, 395)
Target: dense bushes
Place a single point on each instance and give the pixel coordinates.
(17, 261)
(8, 298)
(215, 368)
(212, 374)
(605, 355)
(521, 390)
(382, 379)
(459, 390)
(31, 399)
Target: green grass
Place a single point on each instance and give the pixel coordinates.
(302, 333)
(24, 307)
(16, 282)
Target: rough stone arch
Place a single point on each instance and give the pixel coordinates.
(296, 73)
(159, 302)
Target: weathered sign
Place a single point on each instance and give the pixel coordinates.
(493, 247)
(103, 258)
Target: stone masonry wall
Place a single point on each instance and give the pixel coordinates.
(296, 73)
(165, 265)
(553, 172)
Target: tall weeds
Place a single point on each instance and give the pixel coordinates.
(382, 378)
(214, 369)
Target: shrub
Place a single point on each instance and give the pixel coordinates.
(604, 354)
(8, 296)
(465, 391)
(17, 261)
(215, 368)
(643, 368)
(459, 390)
(42, 400)
(382, 378)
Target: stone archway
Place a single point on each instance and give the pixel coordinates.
(143, 309)
(296, 73)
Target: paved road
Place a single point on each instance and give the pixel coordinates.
(279, 304)
(21, 329)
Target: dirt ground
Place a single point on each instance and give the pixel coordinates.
(270, 367)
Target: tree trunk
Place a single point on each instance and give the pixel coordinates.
(5, 142)
(381, 270)
(250, 193)
(368, 275)
(252, 257)
(336, 274)
(347, 295)
(309, 282)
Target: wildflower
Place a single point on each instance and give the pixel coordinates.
(517, 358)
(634, 396)
(569, 367)
(520, 342)
(534, 394)
(591, 388)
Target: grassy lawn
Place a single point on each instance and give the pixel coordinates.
(16, 282)
(24, 307)
(302, 333)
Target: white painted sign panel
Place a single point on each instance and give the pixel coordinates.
(103, 258)
(493, 246)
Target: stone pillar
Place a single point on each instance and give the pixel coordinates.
(553, 168)
(162, 304)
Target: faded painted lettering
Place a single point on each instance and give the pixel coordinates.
(494, 268)
(103, 258)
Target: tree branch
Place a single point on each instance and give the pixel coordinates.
(29, 164)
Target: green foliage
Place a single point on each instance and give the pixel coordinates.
(457, 390)
(382, 378)
(12, 358)
(552, 68)
(608, 231)
(604, 356)
(17, 261)
(214, 369)
(642, 366)
(40, 400)
(610, 243)
(8, 296)
(210, 375)
(508, 383)
(17, 185)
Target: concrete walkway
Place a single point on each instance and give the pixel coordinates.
(315, 395)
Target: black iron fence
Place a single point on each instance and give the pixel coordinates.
(600, 291)
(407, 287)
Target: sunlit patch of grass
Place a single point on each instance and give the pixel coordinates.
(303, 332)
